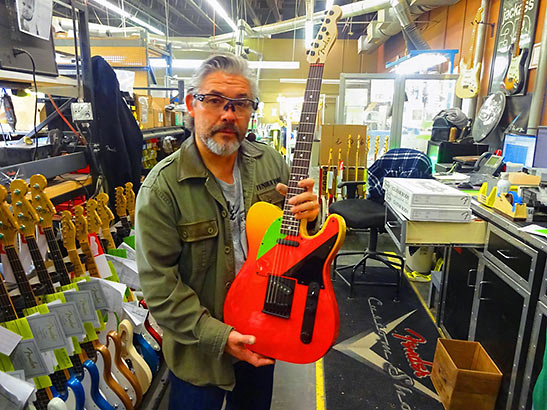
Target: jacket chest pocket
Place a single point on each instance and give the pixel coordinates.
(201, 238)
(272, 196)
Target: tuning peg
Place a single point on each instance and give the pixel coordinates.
(307, 51)
(316, 45)
(327, 33)
(323, 29)
(320, 37)
(312, 53)
(330, 12)
(328, 21)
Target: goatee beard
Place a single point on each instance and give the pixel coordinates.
(223, 149)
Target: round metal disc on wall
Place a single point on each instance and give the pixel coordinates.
(489, 116)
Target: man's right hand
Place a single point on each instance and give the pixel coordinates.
(236, 347)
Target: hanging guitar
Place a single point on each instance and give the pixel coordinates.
(516, 72)
(283, 294)
(467, 85)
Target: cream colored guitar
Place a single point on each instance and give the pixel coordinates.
(467, 85)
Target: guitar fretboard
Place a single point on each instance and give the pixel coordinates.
(39, 265)
(6, 305)
(75, 259)
(57, 256)
(22, 281)
(89, 259)
(302, 151)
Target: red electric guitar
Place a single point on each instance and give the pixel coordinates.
(283, 294)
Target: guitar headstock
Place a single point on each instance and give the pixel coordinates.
(325, 37)
(68, 230)
(130, 197)
(93, 219)
(121, 201)
(25, 215)
(80, 223)
(40, 200)
(103, 210)
(8, 224)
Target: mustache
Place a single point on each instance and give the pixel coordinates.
(226, 127)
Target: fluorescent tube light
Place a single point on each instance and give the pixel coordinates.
(218, 9)
(308, 34)
(329, 4)
(188, 63)
(128, 16)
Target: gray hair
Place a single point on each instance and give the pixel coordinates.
(228, 63)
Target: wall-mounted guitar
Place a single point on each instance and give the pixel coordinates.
(515, 77)
(467, 85)
(283, 294)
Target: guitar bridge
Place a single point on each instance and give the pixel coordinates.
(279, 296)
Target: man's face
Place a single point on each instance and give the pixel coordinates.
(27, 9)
(221, 132)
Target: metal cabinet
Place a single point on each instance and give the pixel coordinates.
(458, 290)
(499, 321)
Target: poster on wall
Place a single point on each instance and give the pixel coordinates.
(509, 20)
(34, 17)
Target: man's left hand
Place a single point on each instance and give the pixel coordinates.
(304, 205)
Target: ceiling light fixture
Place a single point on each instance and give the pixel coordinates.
(128, 16)
(329, 4)
(188, 63)
(218, 9)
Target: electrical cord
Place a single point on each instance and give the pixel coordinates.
(16, 52)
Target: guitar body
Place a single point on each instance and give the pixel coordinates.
(113, 392)
(269, 272)
(467, 85)
(148, 353)
(93, 398)
(516, 73)
(73, 398)
(142, 371)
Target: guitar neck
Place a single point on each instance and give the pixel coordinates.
(75, 259)
(56, 255)
(516, 49)
(302, 152)
(7, 310)
(22, 281)
(39, 265)
(89, 259)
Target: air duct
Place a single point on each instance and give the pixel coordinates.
(413, 37)
(389, 23)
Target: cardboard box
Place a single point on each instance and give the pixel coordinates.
(144, 111)
(415, 192)
(431, 214)
(465, 376)
(336, 137)
(446, 233)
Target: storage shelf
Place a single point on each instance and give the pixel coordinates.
(63, 86)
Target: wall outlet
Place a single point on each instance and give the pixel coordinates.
(81, 111)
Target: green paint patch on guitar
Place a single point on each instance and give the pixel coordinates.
(270, 238)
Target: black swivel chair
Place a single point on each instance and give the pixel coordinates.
(369, 214)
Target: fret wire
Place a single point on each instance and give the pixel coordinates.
(57, 256)
(22, 281)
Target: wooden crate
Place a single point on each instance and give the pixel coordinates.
(464, 376)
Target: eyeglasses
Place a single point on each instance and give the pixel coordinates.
(218, 103)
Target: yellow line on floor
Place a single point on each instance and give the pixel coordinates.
(422, 301)
(319, 386)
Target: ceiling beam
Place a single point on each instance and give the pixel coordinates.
(194, 6)
(161, 18)
(249, 8)
(275, 9)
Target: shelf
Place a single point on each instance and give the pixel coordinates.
(63, 86)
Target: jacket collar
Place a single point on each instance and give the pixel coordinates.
(191, 165)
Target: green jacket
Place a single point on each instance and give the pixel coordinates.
(185, 254)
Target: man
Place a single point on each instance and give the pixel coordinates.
(191, 240)
(28, 22)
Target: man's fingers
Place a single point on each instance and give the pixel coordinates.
(282, 189)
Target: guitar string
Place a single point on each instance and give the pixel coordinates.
(290, 225)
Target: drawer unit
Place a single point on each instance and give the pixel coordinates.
(499, 320)
(459, 288)
(511, 255)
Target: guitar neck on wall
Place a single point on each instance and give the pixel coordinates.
(515, 76)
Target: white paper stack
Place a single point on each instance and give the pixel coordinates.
(427, 200)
